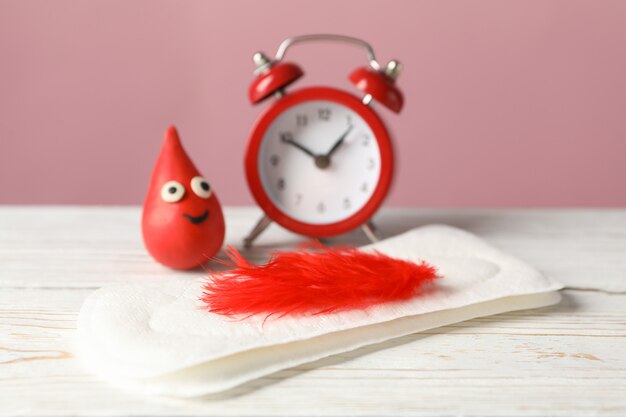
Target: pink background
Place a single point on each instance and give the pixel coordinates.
(509, 103)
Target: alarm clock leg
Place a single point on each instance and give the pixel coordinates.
(258, 229)
(370, 231)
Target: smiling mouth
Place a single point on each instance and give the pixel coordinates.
(197, 220)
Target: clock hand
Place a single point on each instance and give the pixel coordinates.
(339, 142)
(290, 141)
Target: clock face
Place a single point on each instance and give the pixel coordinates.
(319, 162)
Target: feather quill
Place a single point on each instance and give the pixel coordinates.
(305, 282)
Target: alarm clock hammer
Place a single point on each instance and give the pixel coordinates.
(344, 189)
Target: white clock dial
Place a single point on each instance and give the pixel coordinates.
(319, 162)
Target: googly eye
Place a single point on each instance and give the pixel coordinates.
(172, 191)
(201, 187)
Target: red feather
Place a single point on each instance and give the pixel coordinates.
(313, 282)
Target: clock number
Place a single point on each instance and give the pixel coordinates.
(285, 136)
(301, 120)
(366, 140)
(324, 114)
(281, 184)
(364, 187)
(298, 198)
(321, 208)
(347, 204)
(274, 160)
(370, 163)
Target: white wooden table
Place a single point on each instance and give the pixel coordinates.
(566, 360)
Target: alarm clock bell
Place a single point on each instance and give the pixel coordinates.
(319, 160)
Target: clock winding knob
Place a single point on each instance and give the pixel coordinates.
(261, 61)
(393, 69)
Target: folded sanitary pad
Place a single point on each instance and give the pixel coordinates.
(157, 338)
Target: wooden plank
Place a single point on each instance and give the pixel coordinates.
(566, 360)
(87, 247)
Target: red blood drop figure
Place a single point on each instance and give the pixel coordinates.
(182, 221)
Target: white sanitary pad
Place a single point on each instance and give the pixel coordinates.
(155, 337)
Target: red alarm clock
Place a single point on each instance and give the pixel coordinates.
(319, 160)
